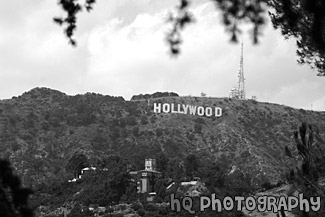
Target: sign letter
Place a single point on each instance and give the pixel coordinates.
(156, 108)
(166, 107)
(218, 112)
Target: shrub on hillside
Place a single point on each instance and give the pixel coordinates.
(141, 212)
(136, 206)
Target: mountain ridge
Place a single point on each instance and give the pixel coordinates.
(42, 129)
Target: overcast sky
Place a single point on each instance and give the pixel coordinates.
(121, 51)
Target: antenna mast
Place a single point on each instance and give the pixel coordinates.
(239, 92)
(241, 82)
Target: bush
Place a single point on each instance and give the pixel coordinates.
(150, 207)
(144, 120)
(159, 132)
(136, 206)
(135, 131)
(109, 209)
(153, 119)
(198, 128)
(131, 120)
(141, 212)
(199, 120)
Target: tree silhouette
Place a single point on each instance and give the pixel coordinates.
(13, 198)
(305, 177)
(303, 20)
(307, 139)
(72, 8)
(191, 165)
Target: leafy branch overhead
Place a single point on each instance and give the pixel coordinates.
(303, 20)
(178, 21)
(72, 8)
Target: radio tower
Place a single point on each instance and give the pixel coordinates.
(239, 92)
(241, 82)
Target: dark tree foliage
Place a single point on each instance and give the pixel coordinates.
(238, 184)
(154, 95)
(191, 165)
(76, 163)
(179, 21)
(234, 12)
(213, 173)
(72, 8)
(13, 198)
(107, 186)
(303, 20)
(175, 169)
(160, 189)
(305, 178)
(162, 163)
(308, 142)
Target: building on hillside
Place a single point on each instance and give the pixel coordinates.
(84, 171)
(194, 181)
(146, 178)
(189, 183)
(191, 188)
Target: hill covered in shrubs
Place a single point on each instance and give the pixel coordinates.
(43, 131)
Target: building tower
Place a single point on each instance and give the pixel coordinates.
(150, 164)
(239, 92)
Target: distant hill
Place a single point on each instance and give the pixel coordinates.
(154, 95)
(42, 129)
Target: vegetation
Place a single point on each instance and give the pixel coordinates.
(112, 186)
(76, 163)
(133, 131)
(230, 154)
(310, 166)
(303, 20)
(154, 95)
(13, 197)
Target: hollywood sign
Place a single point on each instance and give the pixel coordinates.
(187, 109)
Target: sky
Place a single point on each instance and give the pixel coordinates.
(121, 51)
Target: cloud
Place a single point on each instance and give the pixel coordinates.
(297, 93)
(135, 54)
(121, 51)
(36, 53)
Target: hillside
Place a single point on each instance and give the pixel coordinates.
(42, 129)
